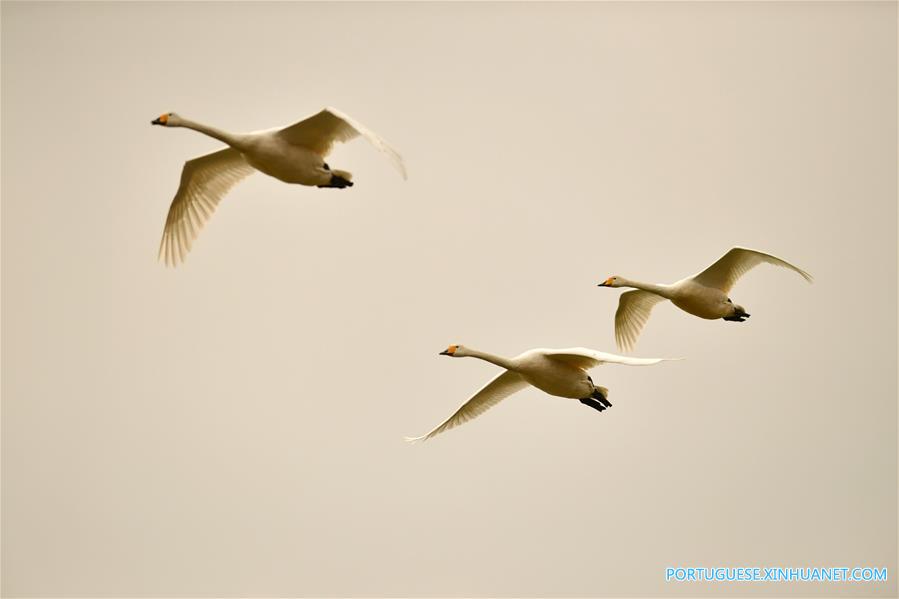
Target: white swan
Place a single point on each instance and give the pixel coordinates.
(559, 372)
(704, 295)
(294, 154)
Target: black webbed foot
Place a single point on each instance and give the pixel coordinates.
(739, 314)
(589, 401)
(337, 182)
(736, 318)
(599, 394)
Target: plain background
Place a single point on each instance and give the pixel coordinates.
(234, 426)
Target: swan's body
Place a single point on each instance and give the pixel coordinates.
(704, 295)
(294, 154)
(559, 372)
(288, 163)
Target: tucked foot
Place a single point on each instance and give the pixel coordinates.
(601, 394)
(337, 182)
(739, 314)
(589, 401)
(737, 317)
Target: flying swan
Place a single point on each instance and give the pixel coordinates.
(294, 154)
(704, 295)
(559, 372)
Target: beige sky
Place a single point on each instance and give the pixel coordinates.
(234, 427)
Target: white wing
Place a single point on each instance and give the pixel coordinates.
(589, 358)
(204, 182)
(633, 311)
(724, 273)
(490, 394)
(321, 131)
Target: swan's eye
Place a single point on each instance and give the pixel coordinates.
(327, 168)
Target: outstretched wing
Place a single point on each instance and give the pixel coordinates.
(490, 394)
(633, 311)
(204, 182)
(585, 358)
(724, 273)
(321, 131)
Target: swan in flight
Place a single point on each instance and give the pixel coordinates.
(704, 295)
(559, 372)
(294, 154)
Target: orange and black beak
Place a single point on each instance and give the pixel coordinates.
(162, 120)
(448, 351)
(606, 283)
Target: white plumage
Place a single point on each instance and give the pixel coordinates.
(558, 372)
(704, 295)
(294, 154)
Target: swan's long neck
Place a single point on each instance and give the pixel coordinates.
(223, 136)
(663, 290)
(498, 360)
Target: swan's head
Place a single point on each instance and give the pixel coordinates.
(169, 119)
(455, 351)
(614, 281)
